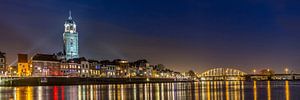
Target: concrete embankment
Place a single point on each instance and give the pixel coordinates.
(35, 81)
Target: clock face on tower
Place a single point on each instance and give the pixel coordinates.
(70, 39)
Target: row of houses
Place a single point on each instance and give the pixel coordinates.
(47, 65)
(2, 62)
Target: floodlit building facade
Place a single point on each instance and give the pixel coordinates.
(95, 68)
(70, 36)
(23, 66)
(77, 67)
(2, 63)
(70, 68)
(45, 65)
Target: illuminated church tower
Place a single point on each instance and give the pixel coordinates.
(70, 39)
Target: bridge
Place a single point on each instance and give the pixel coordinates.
(218, 74)
(222, 74)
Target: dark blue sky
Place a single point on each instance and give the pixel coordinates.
(183, 34)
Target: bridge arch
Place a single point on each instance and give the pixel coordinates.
(223, 72)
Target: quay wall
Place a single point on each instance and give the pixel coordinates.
(40, 81)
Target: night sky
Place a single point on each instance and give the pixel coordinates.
(182, 34)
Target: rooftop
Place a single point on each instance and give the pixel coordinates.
(45, 57)
(2, 54)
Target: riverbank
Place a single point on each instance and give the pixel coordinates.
(44, 81)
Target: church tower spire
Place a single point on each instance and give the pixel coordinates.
(70, 15)
(70, 39)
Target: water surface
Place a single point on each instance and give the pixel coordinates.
(209, 90)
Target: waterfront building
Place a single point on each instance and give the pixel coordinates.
(84, 66)
(95, 68)
(122, 67)
(159, 67)
(70, 68)
(111, 70)
(108, 68)
(148, 71)
(142, 68)
(23, 66)
(78, 67)
(2, 63)
(70, 37)
(45, 65)
(155, 73)
(131, 72)
(61, 56)
(12, 70)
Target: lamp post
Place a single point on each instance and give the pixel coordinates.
(254, 71)
(10, 68)
(286, 70)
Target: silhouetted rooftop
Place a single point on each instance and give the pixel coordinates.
(77, 60)
(2, 54)
(45, 57)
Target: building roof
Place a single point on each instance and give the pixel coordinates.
(77, 60)
(106, 62)
(69, 22)
(2, 54)
(93, 61)
(45, 57)
(22, 58)
(119, 61)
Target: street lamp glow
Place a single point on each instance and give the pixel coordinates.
(286, 70)
(254, 71)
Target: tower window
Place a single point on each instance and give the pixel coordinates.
(71, 42)
(2, 60)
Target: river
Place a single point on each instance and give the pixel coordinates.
(207, 90)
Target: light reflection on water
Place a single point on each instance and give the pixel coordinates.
(206, 90)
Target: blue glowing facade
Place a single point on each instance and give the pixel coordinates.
(70, 39)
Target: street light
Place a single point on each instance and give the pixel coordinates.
(254, 71)
(286, 70)
(10, 68)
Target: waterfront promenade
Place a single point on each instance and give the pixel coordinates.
(38, 81)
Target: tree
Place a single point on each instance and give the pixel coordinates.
(191, 73)
(267, 72)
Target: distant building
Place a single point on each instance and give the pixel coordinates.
(121, 67)
(142, 68)
(13, 70)
(84, 70)
(61, 56)
(77, 67)
(23, 66)
(124, 68)
(45, 65)
(108, 68)
(70, 37)
(2, 63)
(70, 68)
(95, 68)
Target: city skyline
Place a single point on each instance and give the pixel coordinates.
(170, 34)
